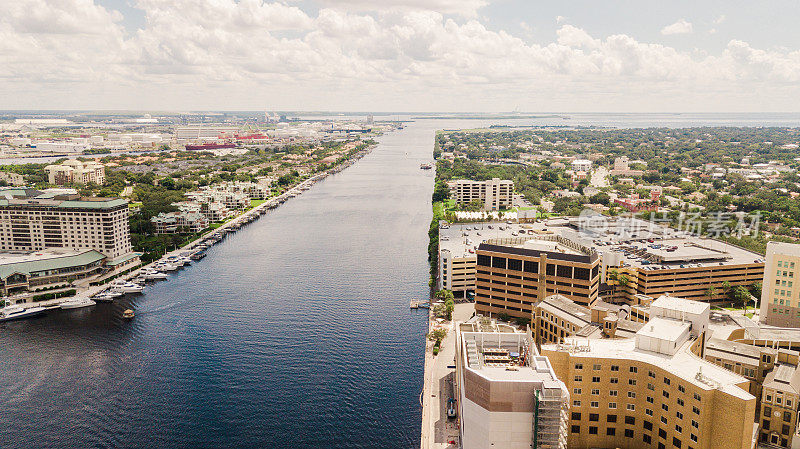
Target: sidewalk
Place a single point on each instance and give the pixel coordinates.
(437, 430)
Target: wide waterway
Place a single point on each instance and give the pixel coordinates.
(294, 332)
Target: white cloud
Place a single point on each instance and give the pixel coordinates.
(560, 19)
(720, 19)
(251, 53)
(679, 27)
(467, 8)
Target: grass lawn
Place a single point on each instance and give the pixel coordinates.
(256, 203)
(438, 209)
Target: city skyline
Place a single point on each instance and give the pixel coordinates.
(406, 55)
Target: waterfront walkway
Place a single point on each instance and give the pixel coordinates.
(437, 430)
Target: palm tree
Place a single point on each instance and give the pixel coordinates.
(711, 292)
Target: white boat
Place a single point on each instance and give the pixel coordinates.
(128, 287)
(107, 296)
(153, 274)
(18, 312)
(77, 303)
(166, 267)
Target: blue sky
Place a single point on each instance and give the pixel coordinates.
(423, 55)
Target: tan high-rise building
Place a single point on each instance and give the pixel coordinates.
(654, 390)
(74, 171)
(515, 274)
(32, 220)
(495, 193)
(780, 294)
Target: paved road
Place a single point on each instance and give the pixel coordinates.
(599, 177)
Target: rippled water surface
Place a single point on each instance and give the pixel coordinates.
(293, 332)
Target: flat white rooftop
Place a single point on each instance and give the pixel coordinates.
(680, 304)
(664, 329)
(682, 364)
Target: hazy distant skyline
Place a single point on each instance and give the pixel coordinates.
(404, 55)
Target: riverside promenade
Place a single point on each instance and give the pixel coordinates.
(439, 432)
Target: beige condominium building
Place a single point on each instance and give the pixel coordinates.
(74, 171)
(31, 220)
(780, 297)
(495, 193)
(515, 274)
(508, 396)
(654, 390)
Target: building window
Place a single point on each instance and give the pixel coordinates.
(676, 442)
(611, 418)
(629, 433)
(576, 391)
(576, 416)
(647, 425)
(594, 404)
(631, 407)
(592, 430)
(646, 438)
(576, 429)
(611, 431)
(596, 379)
(612, 405)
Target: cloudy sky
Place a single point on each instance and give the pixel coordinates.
(401, 55)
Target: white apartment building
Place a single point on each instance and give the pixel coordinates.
(584, 165)
(74, 171)
(495, 193)
(204, 132)
(508, 395)
(780, 297)
(31, 220)
(61, 147)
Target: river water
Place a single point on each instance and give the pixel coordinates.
(295, 332)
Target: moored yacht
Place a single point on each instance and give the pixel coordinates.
(77, 303)
(18, 312)
(128, 287)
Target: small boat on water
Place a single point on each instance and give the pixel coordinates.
(128, 314)
(10, 313)
(425, 166)
(77, 303)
